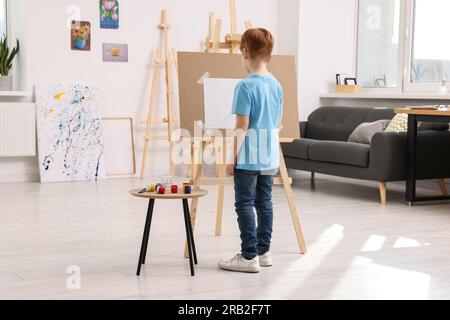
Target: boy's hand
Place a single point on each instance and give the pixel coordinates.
(230, 169)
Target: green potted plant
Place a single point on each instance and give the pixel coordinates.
(6, 61)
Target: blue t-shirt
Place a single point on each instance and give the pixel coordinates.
(261, 98)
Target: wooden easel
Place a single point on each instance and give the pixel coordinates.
(232, 43)
(232, 40)
(223, 181)
(169, 60)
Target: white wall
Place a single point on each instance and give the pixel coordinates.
(288, 39)
(320, 32)
(326, 47)
(125, 88)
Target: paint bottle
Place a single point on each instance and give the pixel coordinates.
(174, 189)
(187, 190)
(161, 190)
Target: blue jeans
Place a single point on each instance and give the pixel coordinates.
(253, 189)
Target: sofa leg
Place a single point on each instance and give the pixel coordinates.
(383, 192)
(313, 175)
(443, 187)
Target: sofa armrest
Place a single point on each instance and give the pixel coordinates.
(303, 128)
(388, 156)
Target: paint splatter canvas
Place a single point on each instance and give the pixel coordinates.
(70, 137)
(109, 14)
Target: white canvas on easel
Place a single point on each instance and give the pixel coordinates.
(219, 95)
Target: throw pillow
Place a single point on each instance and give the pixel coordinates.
(398, 124)
(365, 131)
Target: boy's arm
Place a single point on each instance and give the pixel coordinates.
(242, 104)
(242, 123)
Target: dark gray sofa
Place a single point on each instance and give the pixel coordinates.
(324, 149)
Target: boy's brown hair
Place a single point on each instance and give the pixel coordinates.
(259, 43)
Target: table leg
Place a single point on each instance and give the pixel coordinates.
(188, 237)
(191, 232)
(412, 160)
(145, 237)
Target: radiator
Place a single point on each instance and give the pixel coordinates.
(17, 129)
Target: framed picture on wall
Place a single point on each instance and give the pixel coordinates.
(350, 82)
(109, 14)
(81, 36)
(115, 52)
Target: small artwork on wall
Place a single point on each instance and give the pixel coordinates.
(81, 35)
(115, 52)
(109, 14)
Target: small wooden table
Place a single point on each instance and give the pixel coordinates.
(152, 196)
(414, 116)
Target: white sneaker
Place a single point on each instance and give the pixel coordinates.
(240, 264)
(266, 260)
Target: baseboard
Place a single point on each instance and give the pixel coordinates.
(19, 178)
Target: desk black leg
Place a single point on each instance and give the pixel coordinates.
(412, 160)
(151, 205)
(187, 222)
(144, 245)
(191, 231)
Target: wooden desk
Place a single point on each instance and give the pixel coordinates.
(414, 116)
(152, 196)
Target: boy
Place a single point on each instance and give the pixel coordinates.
(258, 104)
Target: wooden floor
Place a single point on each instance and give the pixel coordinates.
(358, 249)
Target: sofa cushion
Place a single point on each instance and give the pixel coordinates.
(348, 153)
(335, 123)
(399, 123)
(298, 149)
(366, 130)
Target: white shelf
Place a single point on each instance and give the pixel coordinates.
(394, 96)
(15, 94)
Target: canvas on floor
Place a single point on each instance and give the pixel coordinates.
(70, 138)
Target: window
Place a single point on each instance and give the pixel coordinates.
(430, 61)
(3, 14)
(402, 45)
(378, 43)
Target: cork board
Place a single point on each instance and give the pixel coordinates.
(193, 66)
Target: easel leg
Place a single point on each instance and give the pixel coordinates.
(151, 109)
(292, 206)
(144, 159)
(221, 193)
(192, 166)
(217, 156)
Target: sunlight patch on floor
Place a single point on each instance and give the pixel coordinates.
(327, 241)
(382, 282)
(406, 243)
(374, 243)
